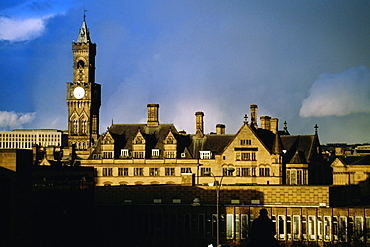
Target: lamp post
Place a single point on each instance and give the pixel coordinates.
(218, 186)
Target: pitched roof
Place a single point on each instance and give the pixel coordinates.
(267, 137)
(356, 160)
(210, 142)
(123, 134)
(299, 148)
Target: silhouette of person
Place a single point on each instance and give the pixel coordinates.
(262, 232)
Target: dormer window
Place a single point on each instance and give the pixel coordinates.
(155, 153)
(170, 154)
(124, 153)
(205, 155)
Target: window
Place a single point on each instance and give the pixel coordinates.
(169, 171)
(122, 171)
(138, 172)
(124, 153)
(342, 228)
(226, 172)
(108, 155)
(254, 156)
(107, 172)
(244, 226)
(264, 171)
(367, 231)
(335, 228)
(319, 228)
(289, 226)
(155, 153)
(153, 171)
(229, 226)
(293, 177)
(186, 170)
(245, 156)
(84, 126)
(205, 154)
(327, 228)
(205, 171)
(245, 172)
(245, 142)
(237, 172)
(237, 226)
(170, 154)
(281, 226)
(312, 227)
(296, 227)
(350, 228)
(299, 177)
(304, 228)
(253, 171)
(139, 154)
(75, 126)
(96, 156)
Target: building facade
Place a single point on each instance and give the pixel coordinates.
(25, 139)
(156, 153)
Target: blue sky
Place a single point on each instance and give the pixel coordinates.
(304, 62)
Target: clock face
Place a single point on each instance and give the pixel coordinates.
(79, 92)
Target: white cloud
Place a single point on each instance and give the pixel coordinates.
(339, 94)
(16, 30)
(11, 120)
(28, 20)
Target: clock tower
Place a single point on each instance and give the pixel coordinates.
(83, 96)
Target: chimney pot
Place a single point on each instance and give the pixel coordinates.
(220, 129)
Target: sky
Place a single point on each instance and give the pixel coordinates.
(303, 62)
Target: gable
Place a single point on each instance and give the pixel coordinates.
(246, 139)
(338, 163)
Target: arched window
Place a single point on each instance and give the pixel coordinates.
(75, 126)
(80, 64)
(84, 126)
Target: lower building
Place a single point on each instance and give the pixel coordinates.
(155, 153)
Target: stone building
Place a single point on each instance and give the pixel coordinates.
(156, 153)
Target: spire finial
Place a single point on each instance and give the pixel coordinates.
(85, 10)
(316, 128)
(285, 126)
(246, 119)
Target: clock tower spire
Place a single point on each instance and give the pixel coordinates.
(83, 95)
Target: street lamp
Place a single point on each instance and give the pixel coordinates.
(218, 186)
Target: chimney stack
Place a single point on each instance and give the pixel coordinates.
(220, 129)
(254, 109)
(153, 114)
(199, 131)
(265, 122)
(274, 125)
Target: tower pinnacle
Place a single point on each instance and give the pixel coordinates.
(84, 35)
